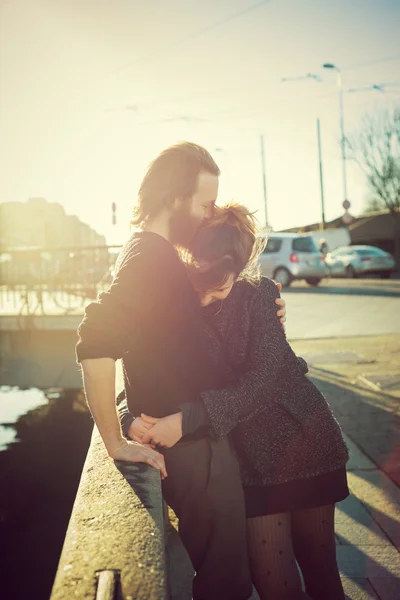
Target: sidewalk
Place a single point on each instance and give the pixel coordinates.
(360, 376)
(361, 379)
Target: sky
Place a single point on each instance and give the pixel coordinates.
(92, 90)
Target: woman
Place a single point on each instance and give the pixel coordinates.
(289, 445)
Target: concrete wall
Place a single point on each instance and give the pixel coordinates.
(38, 357)
(115, 543)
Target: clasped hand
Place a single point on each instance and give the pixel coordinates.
(165, 432)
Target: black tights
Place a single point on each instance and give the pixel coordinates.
(307, 536)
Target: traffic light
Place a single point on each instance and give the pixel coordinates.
(114, 213)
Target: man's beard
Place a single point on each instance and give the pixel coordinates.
(183, 226)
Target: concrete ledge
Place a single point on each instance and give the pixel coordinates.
(115, 543)
(40, 322)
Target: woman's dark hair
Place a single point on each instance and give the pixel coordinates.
(172, 174)
(224, 245)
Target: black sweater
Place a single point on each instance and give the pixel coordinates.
(151, 318)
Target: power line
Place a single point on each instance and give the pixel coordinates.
(371, 62)
(194, 35)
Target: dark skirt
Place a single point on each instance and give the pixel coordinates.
(296, 495)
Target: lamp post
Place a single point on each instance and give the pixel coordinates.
(342, 135)
(264, 179)
(321, 176)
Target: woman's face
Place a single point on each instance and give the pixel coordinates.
(221, 293)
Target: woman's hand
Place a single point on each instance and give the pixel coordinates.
(282, 306)
(134, 452)
(138, 428)
(164, 432)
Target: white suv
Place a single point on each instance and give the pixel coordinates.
(289, 256)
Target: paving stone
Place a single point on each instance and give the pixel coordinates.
(356, 534)
(355, 525)
(381, 498)
(381, 562)
(358, 460)
(358, 589)
(387, 589)
(351, 509)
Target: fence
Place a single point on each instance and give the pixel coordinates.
(54, 280)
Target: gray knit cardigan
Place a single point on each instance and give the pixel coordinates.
(282, 427)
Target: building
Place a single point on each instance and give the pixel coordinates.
(41, 224)
(379, 228)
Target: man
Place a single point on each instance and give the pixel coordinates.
(151, 318)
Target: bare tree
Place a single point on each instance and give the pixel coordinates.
(376, 149)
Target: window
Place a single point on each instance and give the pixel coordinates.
(304, 244)
(368, 252)
(273, 245)
(371, 251)
(340, 251)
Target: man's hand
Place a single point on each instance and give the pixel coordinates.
(134, 452)
(282, 304)
(138, 428)
(164, 432)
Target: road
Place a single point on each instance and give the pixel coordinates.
(336, 308)
(343, 307)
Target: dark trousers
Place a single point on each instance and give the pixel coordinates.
(204, 489)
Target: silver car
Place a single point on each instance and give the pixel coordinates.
(353, 261)
(290, 256)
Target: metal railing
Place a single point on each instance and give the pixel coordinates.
(54, 280)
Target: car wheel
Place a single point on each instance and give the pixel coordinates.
(351, 272)
(385, 274)
(314, 281)
(283, 276)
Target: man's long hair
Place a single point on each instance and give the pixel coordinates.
(172, 174)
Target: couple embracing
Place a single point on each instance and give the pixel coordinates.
(251, 457)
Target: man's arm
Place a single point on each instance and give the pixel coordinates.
(126, 418)
(108, 328)
(133, 428)
(281, 314)
(99, 383)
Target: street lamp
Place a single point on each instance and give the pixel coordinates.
(321, 181)
(342, 136)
